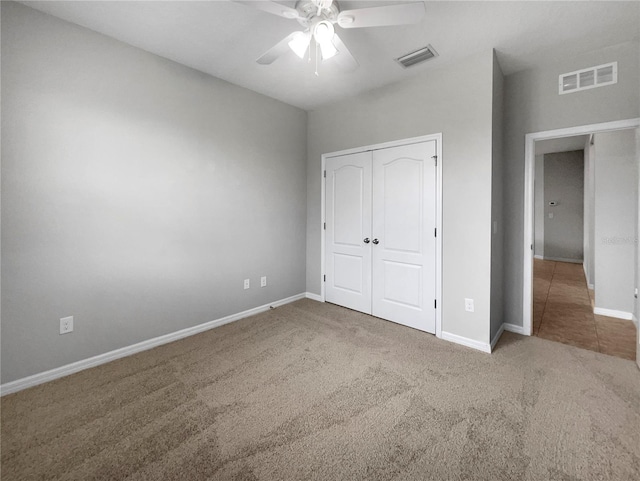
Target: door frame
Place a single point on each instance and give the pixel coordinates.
(529, 176)
(385, 145)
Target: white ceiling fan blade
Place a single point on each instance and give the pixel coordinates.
(277, 50)
(271, 7)
(344, 59)
(382, 16)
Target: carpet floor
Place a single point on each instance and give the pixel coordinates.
(314, 391)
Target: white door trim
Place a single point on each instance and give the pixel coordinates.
(529, 175)
(396, 143)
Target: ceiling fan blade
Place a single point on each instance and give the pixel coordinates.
(271, 7)
(382, 16)
(277, 50)
(344, 59)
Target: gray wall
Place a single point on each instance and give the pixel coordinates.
(497, 213)
(137, 194)
(589, 212)
(615, 219)
(538, 207)
(532, 104)
(564, 184)
(456, 101)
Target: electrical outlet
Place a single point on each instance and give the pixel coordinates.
(263, 281)
(66, 325)
(468, 305)
(247, 283)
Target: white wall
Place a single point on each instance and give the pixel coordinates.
(589, 212)
(538, 186)
(616, 197)
(137, 194)
(497, 211)
(456, 101)
(532, 104)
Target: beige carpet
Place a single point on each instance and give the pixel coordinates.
(314, 391)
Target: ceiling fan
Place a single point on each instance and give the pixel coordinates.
(318, 17)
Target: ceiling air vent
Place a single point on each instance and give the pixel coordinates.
(588, 78)
(417, 57)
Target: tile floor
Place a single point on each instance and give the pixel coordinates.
(563, 312)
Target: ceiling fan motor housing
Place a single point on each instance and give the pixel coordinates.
(308, 12)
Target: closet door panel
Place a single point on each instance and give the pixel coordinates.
(348, 224)
(404, 220)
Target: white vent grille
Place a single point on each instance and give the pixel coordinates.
(419, 56)
(588, 78)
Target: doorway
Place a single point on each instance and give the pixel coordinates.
(579, 282)
(381, 237)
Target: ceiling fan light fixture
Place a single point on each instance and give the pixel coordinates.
(318, 18)
(300, 43)
(323, 32)
(327, 49)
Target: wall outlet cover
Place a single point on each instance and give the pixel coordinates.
(247, 283)
(468, 305)
(66, 325)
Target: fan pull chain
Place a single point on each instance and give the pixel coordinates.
(317, 46)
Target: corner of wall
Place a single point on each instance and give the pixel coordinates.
(497, 198)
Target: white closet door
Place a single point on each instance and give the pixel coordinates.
(404, 221)
(348, 218)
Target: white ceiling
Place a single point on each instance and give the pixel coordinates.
(564, 144)
(223, 38)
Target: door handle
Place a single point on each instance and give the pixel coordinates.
(375, 241)
(366, 240)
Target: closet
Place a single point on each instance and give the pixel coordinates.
(380, 232)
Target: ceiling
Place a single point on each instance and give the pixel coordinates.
(223, 38)
(563, 144)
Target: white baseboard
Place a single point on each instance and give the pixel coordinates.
(601, 311)
(515, 329)
(46, 376)
(480, 346)
(496, 338)
(313, 297)
(591, 286)
(562, 259)
(538, 256)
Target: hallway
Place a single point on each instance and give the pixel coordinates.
(563, 312)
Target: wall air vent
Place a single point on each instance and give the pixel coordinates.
(417, 57)
(588, 78)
